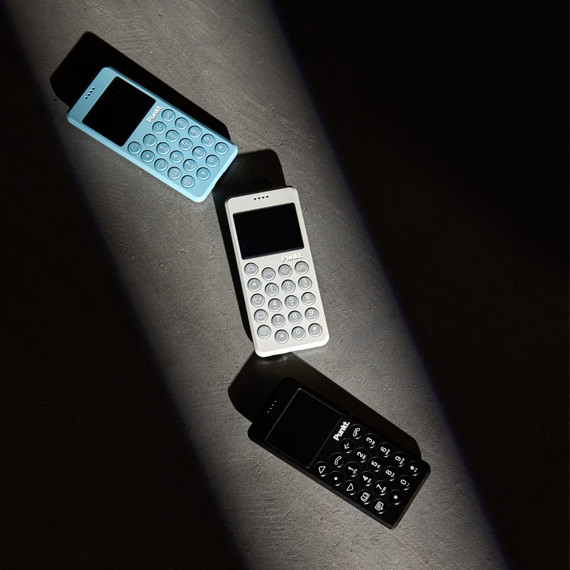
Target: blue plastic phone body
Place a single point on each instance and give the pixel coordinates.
(158, 137)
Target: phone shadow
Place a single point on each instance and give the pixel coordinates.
(90, 54)
(259, 377)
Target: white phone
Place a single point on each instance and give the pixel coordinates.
(277, 273)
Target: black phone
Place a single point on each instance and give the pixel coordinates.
(340, 452)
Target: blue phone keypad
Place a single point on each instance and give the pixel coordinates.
(182, 152)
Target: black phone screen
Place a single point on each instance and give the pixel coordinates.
(303, 428)
(118, 111)
(268, 230)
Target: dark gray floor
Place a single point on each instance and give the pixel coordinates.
(430, 151)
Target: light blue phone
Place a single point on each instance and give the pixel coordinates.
(161, 139)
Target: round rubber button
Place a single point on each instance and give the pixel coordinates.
(250, 269)
(349, 488)
(263, 331)
(285, 270)
(194, 131)
(404, 483)
(295, 317)
(268, 274)
(356, 432)
(361, 455)
(278, 320)
(254, 284)
(385, 450)
(176, 156)
(381, 488)
(291, 302)
(301, 267)
(162, 148)
(321, 469)
(187, 181)
(172, 136)
(399, 459)
(168, 115)
(308, 298)
(271, 289)
(414, 468)
(159, 127)
(257, 300)
(149, 140)
(203, 173)
(315, 329)
(311, 314)
(189, 165)
(375, 464)
(366, 479)
(147, 156)
(161, 165)
(212, 161)
(260, 316)
(221, 148)
(198, 152)
(185, 144)
(347, 445)
(288, 286)
(337, 460)
(174, 173)
(181, 123)
(134, 147)
(379, 507)
(336, 478)
(305, 283)
(298, 333)
(370, 441)
(274, 305)
(352, 469)
(395, 497)
(208, 140)
(364, 497)
(389, 473)
(281, 336)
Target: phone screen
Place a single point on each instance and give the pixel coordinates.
(303, 428)
(268, 230)
(118, 111)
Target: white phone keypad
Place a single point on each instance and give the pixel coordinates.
(282, 303)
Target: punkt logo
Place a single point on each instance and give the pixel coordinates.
(340, 432)
(154, 113)
(292, 257)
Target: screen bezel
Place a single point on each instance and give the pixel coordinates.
(117, 112)
(290, 424)
(256, 232)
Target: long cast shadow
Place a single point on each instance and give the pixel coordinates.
(97, 469)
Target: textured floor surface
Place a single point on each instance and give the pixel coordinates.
(429, 147)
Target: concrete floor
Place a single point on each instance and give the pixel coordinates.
(430, 154)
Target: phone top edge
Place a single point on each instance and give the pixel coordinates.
(250, 197)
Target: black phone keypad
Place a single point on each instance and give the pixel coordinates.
(372, 472)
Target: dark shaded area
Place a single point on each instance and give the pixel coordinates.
(97, 471)
(450, 123)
